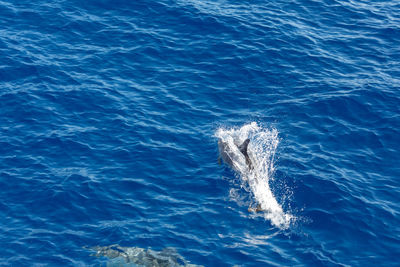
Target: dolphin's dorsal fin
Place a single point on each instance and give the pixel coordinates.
(243, 147)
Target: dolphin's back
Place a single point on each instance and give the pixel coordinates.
(229, 155)
(222, 146)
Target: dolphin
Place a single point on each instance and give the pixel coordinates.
(228, 156)
(136, 256)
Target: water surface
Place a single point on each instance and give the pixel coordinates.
(109, 114)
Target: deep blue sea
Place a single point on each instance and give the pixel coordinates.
(111, 113)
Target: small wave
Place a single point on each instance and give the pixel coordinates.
(261, 151)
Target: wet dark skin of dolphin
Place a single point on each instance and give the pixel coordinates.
(243, 149)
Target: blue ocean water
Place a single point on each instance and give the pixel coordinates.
(110, 114)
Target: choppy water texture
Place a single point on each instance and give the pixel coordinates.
(110, 112)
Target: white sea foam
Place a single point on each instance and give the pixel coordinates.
(261, 151)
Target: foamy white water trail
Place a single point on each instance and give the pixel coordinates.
(261, 151)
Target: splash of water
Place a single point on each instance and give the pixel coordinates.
(261, 150)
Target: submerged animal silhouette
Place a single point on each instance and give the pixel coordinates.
(136, 256)
(228, 155)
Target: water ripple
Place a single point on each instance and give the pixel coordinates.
(109, 110)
